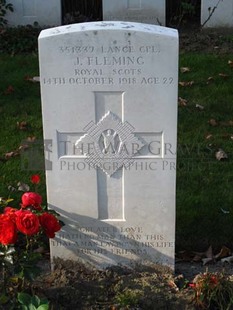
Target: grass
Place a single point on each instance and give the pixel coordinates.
(20, 102)
(204, 184)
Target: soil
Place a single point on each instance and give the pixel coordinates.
(73, 286)
(206, 40)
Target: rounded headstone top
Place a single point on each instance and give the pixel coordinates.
(109, 25)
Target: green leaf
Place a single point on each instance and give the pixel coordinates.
(24, 298)
(32, 307)
(43, 307)
(44, 301)
(35, 300)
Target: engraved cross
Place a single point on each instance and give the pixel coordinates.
(109, 144)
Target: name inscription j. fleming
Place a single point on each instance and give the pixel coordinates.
(109, 65)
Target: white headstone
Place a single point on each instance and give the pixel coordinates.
(143, 11)
(27, 12)
(109, 103)
(221, 13)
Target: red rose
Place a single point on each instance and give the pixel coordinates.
(10, 212)
(8, 233)
(50, 224)
(35, 179)
(27, 222)
(31, 199)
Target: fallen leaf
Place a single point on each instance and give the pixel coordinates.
(184, 69)
(23, 147)
(213, 122)
(188, 83)
(209, 80)
(209, 252)
(9, 155)
(199, 107)
(11, 188)
(31, 139)
(207, 260)
(35, 79)
(227, 259)
(221, 155)
(230, 63)
(22, 125)
(182, 102)
(227, 124)
(173, 285)
(204, 256)
(9, 90)
(224, 211)
(223, 75)
(224, 252)
(23, 187)
(209, 136)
